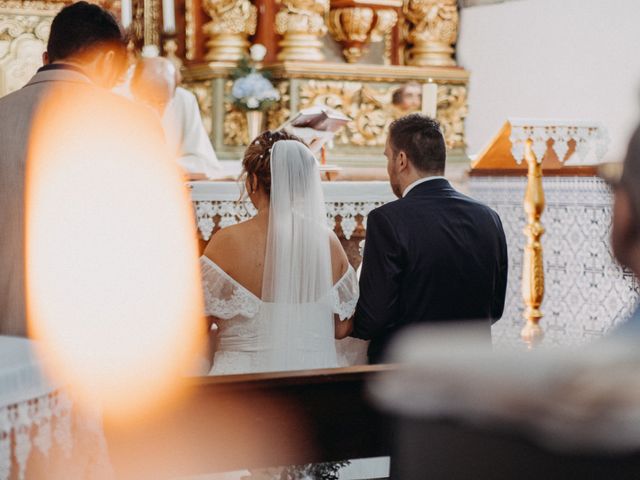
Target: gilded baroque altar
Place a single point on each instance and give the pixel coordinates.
(351, 55)
(362, 92)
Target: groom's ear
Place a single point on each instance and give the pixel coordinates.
(402, 161)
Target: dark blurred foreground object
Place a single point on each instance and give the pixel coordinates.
(625, 232)
(255, 421)
(461, 410)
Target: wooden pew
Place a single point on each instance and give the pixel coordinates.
(239, 422)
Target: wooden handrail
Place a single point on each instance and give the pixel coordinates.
(293, 377)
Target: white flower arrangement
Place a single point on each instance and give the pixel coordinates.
(252, 89)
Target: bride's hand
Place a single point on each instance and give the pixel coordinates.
(343, 328)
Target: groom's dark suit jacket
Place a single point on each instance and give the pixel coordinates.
(435, 255)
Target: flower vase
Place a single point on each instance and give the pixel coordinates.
(255, 120)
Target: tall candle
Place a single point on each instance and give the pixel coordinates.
(126, 10)
(430, 99)
(168, 17)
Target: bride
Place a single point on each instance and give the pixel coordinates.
(278, 286)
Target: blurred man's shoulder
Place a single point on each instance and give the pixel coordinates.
(127, 109)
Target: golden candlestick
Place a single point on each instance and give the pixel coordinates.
(538, 141)
(532, 266)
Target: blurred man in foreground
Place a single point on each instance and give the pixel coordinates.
(154, 83)
(625, 235)
(86, 55)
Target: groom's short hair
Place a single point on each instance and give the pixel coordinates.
(420, 137)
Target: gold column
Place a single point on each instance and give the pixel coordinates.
(301, 22)
(232, 21)
(431, 29)
(190, 29)
(151, 24)
(532, 266)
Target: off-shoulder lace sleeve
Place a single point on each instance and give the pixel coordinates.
(224, 297)
(345, 294)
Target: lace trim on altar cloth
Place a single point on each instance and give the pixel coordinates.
(44, 423)
(345, 294)
(18, 420)
(591, 139)
(220, 213)
(224, 297)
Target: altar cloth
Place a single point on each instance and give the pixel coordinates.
(21, 378)
(218, 203)
(37, 415)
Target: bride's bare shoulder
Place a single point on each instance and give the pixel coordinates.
(339, 260)
(228, 241)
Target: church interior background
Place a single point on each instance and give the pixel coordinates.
(532, 96)
(476, 67)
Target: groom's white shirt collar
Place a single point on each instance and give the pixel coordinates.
(418, 182)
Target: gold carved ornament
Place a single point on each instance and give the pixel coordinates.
(451, 112)
(301, 23)
(368, 106)
(232, 21)
(235, 127)
(387, 19)
(431, 30)
(203, 93)
(190, 29)
(24, 30)
(278, 116)
(356, 27)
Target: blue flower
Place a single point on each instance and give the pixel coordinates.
(253, 85)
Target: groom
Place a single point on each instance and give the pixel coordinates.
(433, 255)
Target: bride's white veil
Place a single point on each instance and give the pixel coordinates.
(297, 272)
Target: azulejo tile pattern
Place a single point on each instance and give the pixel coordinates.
(586, 292)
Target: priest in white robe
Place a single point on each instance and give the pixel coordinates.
(154, 83)
(185, 133)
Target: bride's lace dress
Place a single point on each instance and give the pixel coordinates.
(246, 342)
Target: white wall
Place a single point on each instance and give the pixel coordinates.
(552, 59)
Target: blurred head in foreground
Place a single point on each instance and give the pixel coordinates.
(154, 83)
(408, 97)
(88, 37)
(625, 237)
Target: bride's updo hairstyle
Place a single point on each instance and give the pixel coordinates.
(257, 157)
